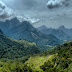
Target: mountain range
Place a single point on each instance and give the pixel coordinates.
(61, 33)
(66, 30)
(24, 30)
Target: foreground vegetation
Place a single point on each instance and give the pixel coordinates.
(23, 56)
(14, 66)
(58, 59)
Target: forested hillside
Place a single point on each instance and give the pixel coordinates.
(10, 48)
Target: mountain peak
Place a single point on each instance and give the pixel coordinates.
(62, 27)
(15, 20)
(42, 27)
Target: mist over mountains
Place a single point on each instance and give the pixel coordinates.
(24, 30)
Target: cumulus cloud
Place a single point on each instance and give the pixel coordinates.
(57, 3)
(5, 12)
(31, 20)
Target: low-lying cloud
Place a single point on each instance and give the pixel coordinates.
(31, 20)
(57, 3)
(5, 12)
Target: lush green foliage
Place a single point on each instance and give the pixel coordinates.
(11, 49)
(14, 66)
(62, 60)
(24, 58)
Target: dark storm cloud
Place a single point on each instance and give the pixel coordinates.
(60, 14)
(57, 3)
(5, 12)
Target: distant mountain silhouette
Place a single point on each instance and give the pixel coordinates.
(42, 27)
(61, 33)
(62, 27)
(66, 30)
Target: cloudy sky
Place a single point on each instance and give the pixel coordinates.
(52, 13)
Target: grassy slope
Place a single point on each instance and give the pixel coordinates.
(36, 61)
(24, 42)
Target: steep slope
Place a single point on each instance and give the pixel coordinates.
(24, 30)
(10, 48)
(7, 26)
(60, 34)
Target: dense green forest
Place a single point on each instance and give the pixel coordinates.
(23, 56)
